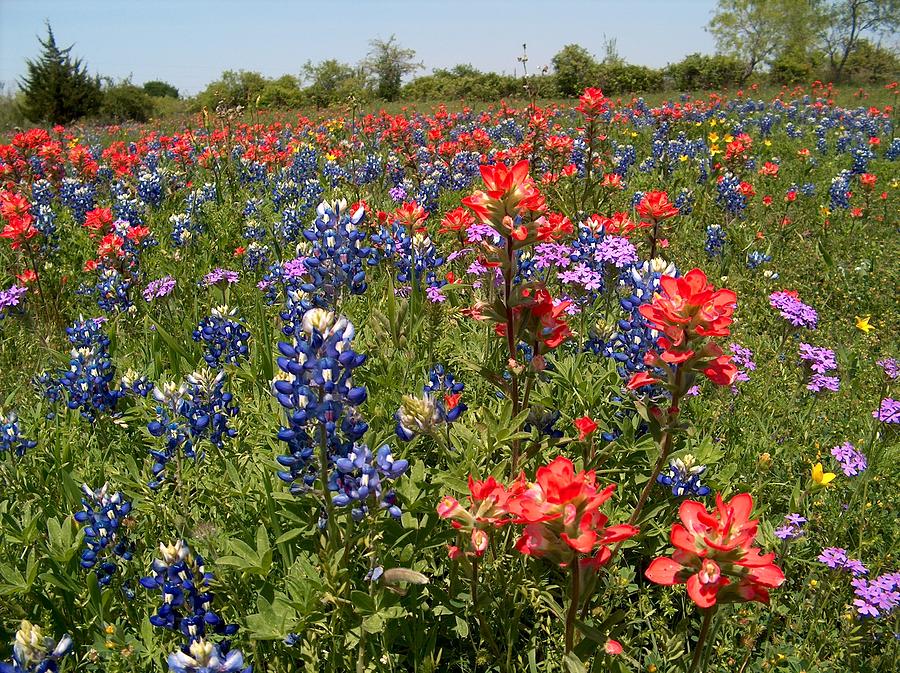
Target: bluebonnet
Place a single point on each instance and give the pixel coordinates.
(33, 652)
(11, 438)
(149, 187)
(104, 538)
(543, 420)
(756, 259)
(184, 228)
(201, 656)
(439, 404)
(683, 477)
(196, 410)
(337, 253)
(838, 192)
(184, 586)
(316, 390)
(315, 387)
(415, 256)
(86, 383)
(112, 289)
(357, 480)
(716, 237)
(224, 337)
(730, 196)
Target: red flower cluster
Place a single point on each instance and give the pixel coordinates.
(715, 557)
(655, 207)
(560, 511)
(16, 210)
(687, 312)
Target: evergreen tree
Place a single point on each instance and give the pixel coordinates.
(58, 88)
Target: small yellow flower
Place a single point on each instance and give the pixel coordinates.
(651, 668)
(863, 324)
(713, 137)
(767, 143)
(110, 629)
(820, 476)
(713, 121)
(728, 138)
(683, 157)
(765, 459)
(714, 150)
(813, 583)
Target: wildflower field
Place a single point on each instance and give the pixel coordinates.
(599, 386)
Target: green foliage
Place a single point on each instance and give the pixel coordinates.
(160, 89)
(870, 63)
(126, 102)
(333, 82)
(283, 93)
(461, 82)
(56, 88)
(697, 72)
(621, 78)
(574, 69)
(388, 63)
(234, 89)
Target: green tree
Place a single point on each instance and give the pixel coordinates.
(57, 88)
(871, 64)
(388, 63)
(849, 21)
(126, 102)
(328, 81)
(753, 31)
(160, 89)
(283, 93)
(574, 69)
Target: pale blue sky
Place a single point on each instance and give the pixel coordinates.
(189, 43)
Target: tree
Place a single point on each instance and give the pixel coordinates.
(848, 21)
(58, 89)
(126, 102)
(575, 69)
(752, 30)
(160, 89)
(328, 80)
(388, 63)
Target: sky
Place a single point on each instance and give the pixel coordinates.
(188, 43)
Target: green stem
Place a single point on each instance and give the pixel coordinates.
(573, 606)
(701, 640)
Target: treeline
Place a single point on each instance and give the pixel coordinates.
(759, 41)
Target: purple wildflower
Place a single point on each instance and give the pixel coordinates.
(820, 360)
(11, 296)
(888, 412)
(833, 557)
(456, 254)
(890, 367)
(852, 462)
(159, 288)
(295, 268)
(397, 193)
(616, 250)
(792, 527)
(877, 597)
(548, 255)
(836, 558)
(476, 233)
(219, 275)
(818, 383)
(793, 310)
(435, 296)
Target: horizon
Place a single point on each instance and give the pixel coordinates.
(93, 28)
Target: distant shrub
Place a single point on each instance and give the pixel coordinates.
(698, 71)
(126, 102)
(622, 78)
(160, 89)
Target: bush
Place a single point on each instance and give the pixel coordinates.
(622, 78)
(462, 82)
(282, 93)
(126, 102)
(870, 63)
(159, 89)
(698, 71)
(233, 89)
